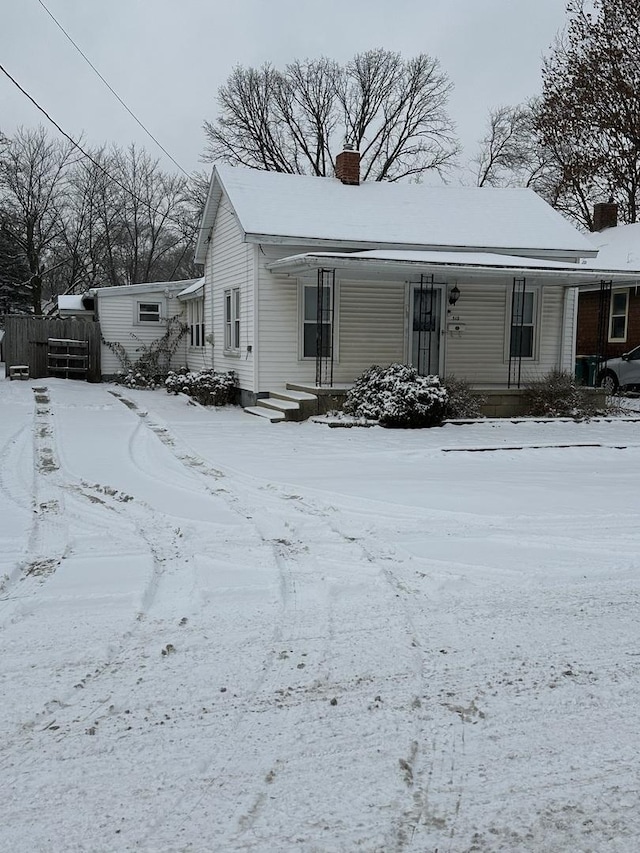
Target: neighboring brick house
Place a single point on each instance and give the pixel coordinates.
(609, 313)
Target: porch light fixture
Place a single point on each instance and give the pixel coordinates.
(454, 294)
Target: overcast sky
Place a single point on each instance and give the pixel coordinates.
(167, 58)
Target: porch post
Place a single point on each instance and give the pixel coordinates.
(325, 331)
(604, 307)
(423, 323)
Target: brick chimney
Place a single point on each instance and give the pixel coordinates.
(605, 215)
(348, 166)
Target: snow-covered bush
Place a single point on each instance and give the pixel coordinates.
(397, 396)
(205, 386)
(462, 402)
(134, 378)
(558, 395)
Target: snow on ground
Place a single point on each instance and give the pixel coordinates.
(219, 634)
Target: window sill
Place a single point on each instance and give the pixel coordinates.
(231, 353)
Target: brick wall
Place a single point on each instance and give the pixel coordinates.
(587, 337)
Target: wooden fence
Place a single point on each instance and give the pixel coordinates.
(26, 342)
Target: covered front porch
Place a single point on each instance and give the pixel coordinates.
(494, 320)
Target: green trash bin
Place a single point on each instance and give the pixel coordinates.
(586, 369)
(592, 362)
(582, 369)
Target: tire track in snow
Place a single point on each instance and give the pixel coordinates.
(47, 537)
(423, 766)
(68, 495)
(279, 501)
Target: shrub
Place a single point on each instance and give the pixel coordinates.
(204, 386)
(397, 396)
(462, 402)
(558, 395)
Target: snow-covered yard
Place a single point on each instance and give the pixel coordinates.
(219, 634)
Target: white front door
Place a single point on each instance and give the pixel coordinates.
(425, 328)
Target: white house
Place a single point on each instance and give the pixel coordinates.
(136, 315)
(308, 281)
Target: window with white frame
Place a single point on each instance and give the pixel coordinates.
(310, 326)
(149, 312)
(523, 325)
(232, 319)
(619, 315)
(195, 320)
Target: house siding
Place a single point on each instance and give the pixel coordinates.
(371, 326)
(229, 265)
(480, 354)
(117, 315)
(197, 358)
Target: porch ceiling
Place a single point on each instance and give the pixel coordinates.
(463, 266)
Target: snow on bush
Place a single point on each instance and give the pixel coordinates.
(204, 386)
(558, 395)
(462, 402)
(397, 396)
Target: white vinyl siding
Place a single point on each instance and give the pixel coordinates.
(372, 326)
(230, 266)
(480, 354)
(369, 320)
(118, 324)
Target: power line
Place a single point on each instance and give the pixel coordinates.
(87, 155)
(110, 88)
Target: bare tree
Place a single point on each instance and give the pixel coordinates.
(393, 110)
(33, 193)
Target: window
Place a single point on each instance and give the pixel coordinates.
(618, 315)
(149, 312)
(232, 319)
(195, 319)
(523, 325)
(310, 321)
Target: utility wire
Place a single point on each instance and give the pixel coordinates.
(110, 88)
(88, 156)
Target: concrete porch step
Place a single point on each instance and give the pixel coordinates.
(279, 404)
(263, 412)
(297, 396)
(290, 405)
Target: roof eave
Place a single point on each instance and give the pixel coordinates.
(299, 264)
(321, 242)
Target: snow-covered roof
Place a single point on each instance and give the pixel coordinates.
(471, 264)
(617, 247)
(147, 287)
(72, 302)
(299, 209)
(194, 290)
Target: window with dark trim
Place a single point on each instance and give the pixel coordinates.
(523, 325)
(195, 317)
(310, 321)
(149, 312)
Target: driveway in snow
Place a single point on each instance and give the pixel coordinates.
(219, 634)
